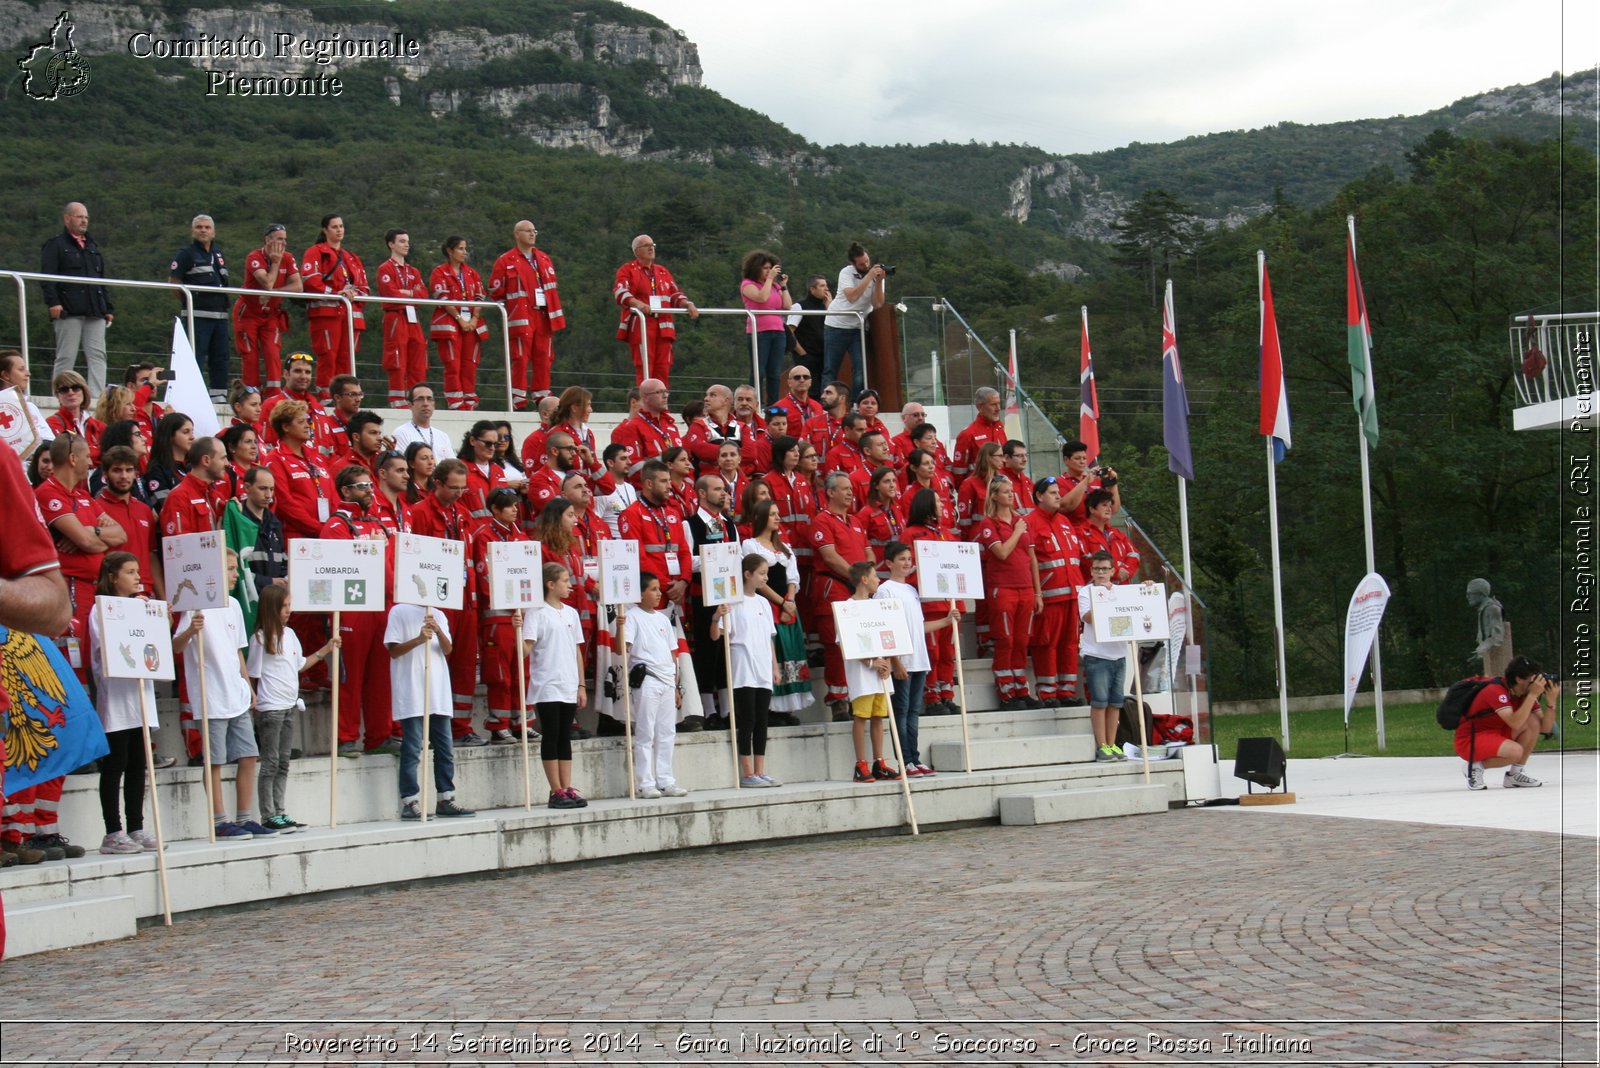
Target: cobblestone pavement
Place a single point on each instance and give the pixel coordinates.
(1314, 940)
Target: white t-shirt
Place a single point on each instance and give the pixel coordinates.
(556, 634)
(119, 698)
(406, 670)
(1087, 646)
(227, 692)
(435, 439)
(861, 680)
(652, 643)
(751, 631)
(889, 589)
(610, 506)
(277, 675)
(849, 277)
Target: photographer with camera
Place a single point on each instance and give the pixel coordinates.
(860, 289)
(1502, 724)
(1078, 479)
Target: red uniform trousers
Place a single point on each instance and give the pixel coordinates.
(463, 665)
(458, 355)
(941, 683)
(330, 343)
(364, 699)
(31, 811)
(500, 644)
(826, 592)
(1010, 618)
(660, 354)
(1048, 649)
(405, 357)
(532, 353)
(259, 340)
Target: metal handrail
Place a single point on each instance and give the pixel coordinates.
(188, 292)
(1555, 334)
(750, 316)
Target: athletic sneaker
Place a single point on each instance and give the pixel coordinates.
(674, 791)
(577, 799)
(257, 830)
(558, 799)
(233, 832)
(1105, 755)
(649, 793)
(118, 842)
(501, 737)
(282, 824)
(770, 781)
(1475, 777)
(411, 810)
(145, 839)
(350, 749)
(753, 782)
(1515, 779)
(925, 769)
(912, 771)
(470, 741)
(884, 773)
(864, 772)
(448, 807)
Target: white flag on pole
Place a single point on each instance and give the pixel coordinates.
(1360, 628)
(186, 390)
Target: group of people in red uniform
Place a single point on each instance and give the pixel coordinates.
(522, 280)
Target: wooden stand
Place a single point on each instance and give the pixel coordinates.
(899, 756)
(155, 807)
(1266, 799)
(333, 730)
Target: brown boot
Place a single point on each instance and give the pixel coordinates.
(22, 853)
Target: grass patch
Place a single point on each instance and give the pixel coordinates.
(1411, 731)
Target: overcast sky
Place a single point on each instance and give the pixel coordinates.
(1086, 75)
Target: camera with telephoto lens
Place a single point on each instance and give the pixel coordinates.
(888, 269)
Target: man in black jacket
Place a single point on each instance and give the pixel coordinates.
(81, 312)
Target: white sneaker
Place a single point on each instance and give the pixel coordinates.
(118, 842)
(674, 791)
(649, 793)
(143, 838)
(1515, 779)
(1475, 777)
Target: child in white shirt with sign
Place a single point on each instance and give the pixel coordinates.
(751, 632)
(219, 636)
(122, 769)
(653, 646)
(552, 634)
(911, 670)
(864, 681)
(419, 675)
(275, 662)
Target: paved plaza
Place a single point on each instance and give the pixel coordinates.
(1206, 935)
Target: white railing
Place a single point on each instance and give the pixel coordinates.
(1567, 343)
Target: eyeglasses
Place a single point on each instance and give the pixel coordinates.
(69, 389)
(357, 394)
(650, 244)
(799, 378)
(488, 443)
(359, 485)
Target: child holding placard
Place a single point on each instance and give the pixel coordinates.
(864, 681)
(415, 633)
(275, 661)
(910, 671)
(552, 634)
(219, 635)
(750, 629)
(122, 769)
(653, 646)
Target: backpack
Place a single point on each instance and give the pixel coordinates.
(1458, 698)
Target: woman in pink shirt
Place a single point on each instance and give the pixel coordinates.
(766, 289)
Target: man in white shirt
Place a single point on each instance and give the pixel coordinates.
(420, 428)
(860, 289)
(610, 506)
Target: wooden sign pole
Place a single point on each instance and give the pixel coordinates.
(425, 769)
(1138, 711)
(522, 704)
(961, 693)
(899, 755)
(205, 737)
(627, 697)
(333, 732)
(155, 807)
(733, 723)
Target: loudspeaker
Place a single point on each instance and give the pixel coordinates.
(1260, 761)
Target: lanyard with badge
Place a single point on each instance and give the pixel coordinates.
(664, 532)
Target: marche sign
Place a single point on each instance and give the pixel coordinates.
(431, 572)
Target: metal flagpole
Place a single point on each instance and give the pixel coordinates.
(1188, 595)
(1272, 511)
(1366, 521)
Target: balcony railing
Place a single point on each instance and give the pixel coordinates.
(1554, 368)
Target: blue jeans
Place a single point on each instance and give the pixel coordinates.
(771, 347)
(836, 344)
(907, 704)
(1104, 679)
(444, 756)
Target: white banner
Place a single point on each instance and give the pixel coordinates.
(721, 573)
(431, 572)
(949, 570)
(1130, 613)
(1177, 630)
(516, 575)
(619, 571)
(871, 628)
(186, 389)
(135, 638)
(337, 576)
(196, 570)
(1360, 628)
(16, 424)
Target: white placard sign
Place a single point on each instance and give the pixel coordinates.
(337, 576)
(871, 628)
(196, 570)
(431, 572)
(17, 428)
(516, 574)
(619, 571)
(1361, 621)
(949, 570)
(135, 638)
(1132, 613)
(721, 573)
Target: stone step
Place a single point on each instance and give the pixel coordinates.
(1023, 752)
(62, 924)
(1060, 806)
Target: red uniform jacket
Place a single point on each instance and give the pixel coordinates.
(636, 280)
(646, 438)
(265, 308)
(704, 440)
(663, 548)
(305, 494)
(446, 284)
(969, 441)
(324, 269)
(191, 507)
(517, 283)
(401, 280)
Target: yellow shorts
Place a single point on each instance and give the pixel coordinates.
(871, 706)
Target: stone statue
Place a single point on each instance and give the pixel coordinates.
(1494, 630)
